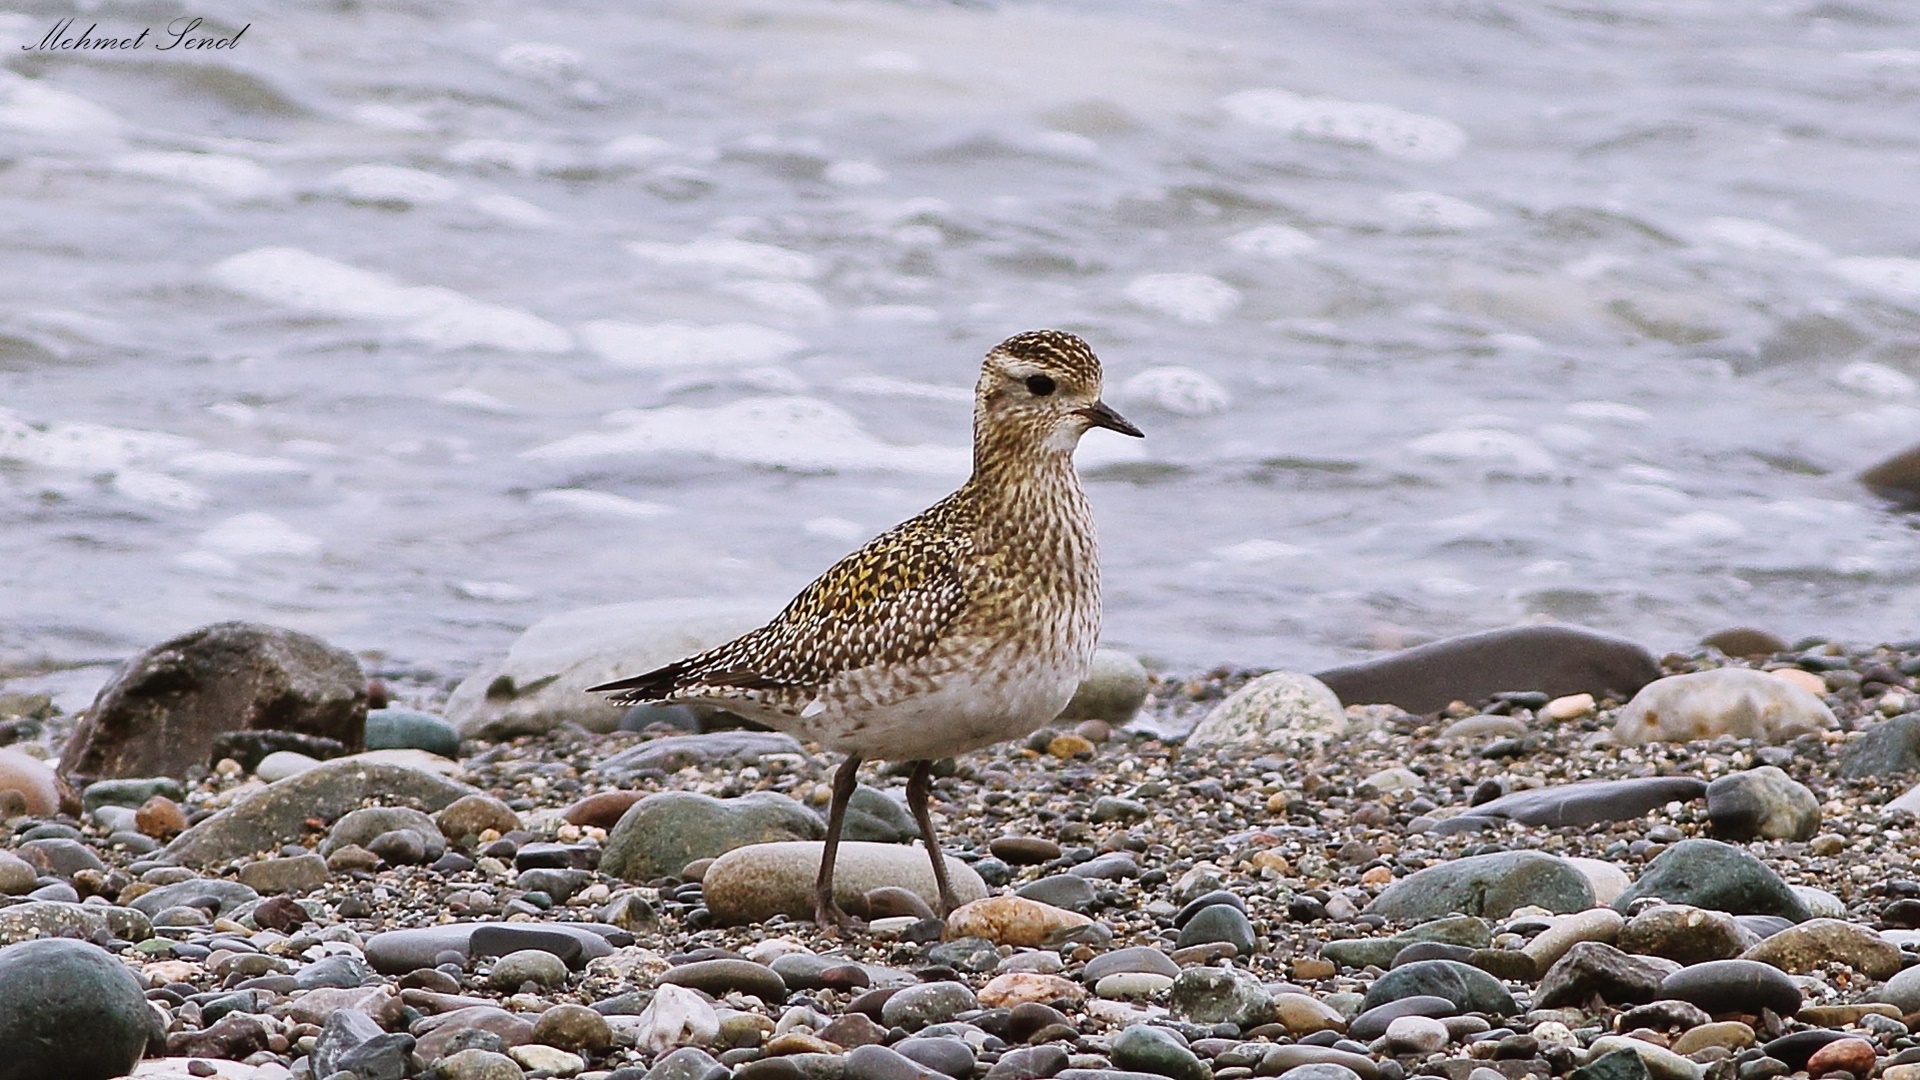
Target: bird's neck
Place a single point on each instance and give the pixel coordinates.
(1004, 471)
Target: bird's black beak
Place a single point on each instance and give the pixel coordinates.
(1103, 415)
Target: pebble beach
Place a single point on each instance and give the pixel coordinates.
(1225, 875)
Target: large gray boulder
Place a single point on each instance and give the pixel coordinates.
(541, 683)
(1550, 658)
(164, 708)
(278, 813)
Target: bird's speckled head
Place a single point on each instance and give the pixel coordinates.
(1039, 391)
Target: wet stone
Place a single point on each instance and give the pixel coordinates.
(1730, 986)
(1469, 988)
(719, 977)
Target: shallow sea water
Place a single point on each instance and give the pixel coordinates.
(409, 324)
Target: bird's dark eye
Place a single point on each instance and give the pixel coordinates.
(1039, 385)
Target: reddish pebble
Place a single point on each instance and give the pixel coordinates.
(1094, 731)
(160, 818)
(602, 810)
(33, 779)
(1855, 1056)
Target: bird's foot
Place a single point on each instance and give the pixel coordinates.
(948, 902)
(833, 920)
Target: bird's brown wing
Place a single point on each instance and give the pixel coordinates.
(886, 603)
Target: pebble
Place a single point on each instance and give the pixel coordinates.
(1491, 885)
(1601, 924)
(754, 883)
(1554, 659)
(1734, 701)
(1415, 1034)
(1762, 804)
(55, 989)
(1801, 949)
(1685, 934)
(1711, 874)
(1216, 995)
(1017, 987)
(1158, 1051)
(1012, 920)
(1024, 850)
(917, 1006)
(722, 976)
(1469, 988)
(1728, 986)
(1279, 705)
(1219, 922)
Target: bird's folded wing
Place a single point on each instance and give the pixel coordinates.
(887, 603)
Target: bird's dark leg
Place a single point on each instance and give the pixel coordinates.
(827, 914)
(919, 787)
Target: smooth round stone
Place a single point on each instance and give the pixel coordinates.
(1728, 986)
(876, 1062)
(1219, 922)
(1277, 706)
(754, 883)
(1217, 995)
(719, 977)
(1281, 1059)
(17, 878)
(1024, 850)
(1762, 804)
(1716, 876)
(1200, 903)
(1069, 891)
(1304, 1014)
(1013, 920)
(1685, 934)
(1491, 885)
(1431, 950)
(283, 764)
(1595, 924)
(1469, 988)
(33, 779)
(1156, 1050)
(1131, 984)
(1415, 1035)
(689, 1063)
(546, 1060)
(943, 1054)
(1804, 948)
(1903, 991)
(527, 966)
(1660, 1063)
(55, 989)
(1137, 958)
(1373, 1023)
(364, 826)
(1852, 1055)
(917, 1006)
(1113, 866)
(665, 831)
(471, 815)
(1729, 1034)
(406, 729)
(1735, 701)
(574, 1028)
(475, 1064)
(1324, 1070)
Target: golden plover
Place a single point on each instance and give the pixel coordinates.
(967, 625)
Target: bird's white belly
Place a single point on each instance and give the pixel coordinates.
(963, 710)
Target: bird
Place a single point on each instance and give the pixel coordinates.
(969, 624)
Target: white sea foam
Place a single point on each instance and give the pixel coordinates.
(1259, 550)
(912, 314)
(159, 489)
(676, 344)
(391, 184)
(257, 533)
(602, 503)
(783, 432)
(440, 317)
(835, 528)
(729, 255)
(540, 60)
(493, 592)
(1877, 380)
(790, 298)
(1432, 210)
(1500, 450)
(468, 397)
(1272, 242)
(31, 106)
(1759, 238)
(1382, 128)
(886, 386)
(83, 445)
(522, 157)
(512, 209)
(1178, 390)
(1891, 274)
(1190, 298)
(224, 173)
(377, 114)
(1610, 412)
(855, 174)
(234, 463)
(1701, 527)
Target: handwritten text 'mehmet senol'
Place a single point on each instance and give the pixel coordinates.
(179, 34)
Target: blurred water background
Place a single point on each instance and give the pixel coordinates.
(410, 323)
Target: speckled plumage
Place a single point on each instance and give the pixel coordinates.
(968, 624)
